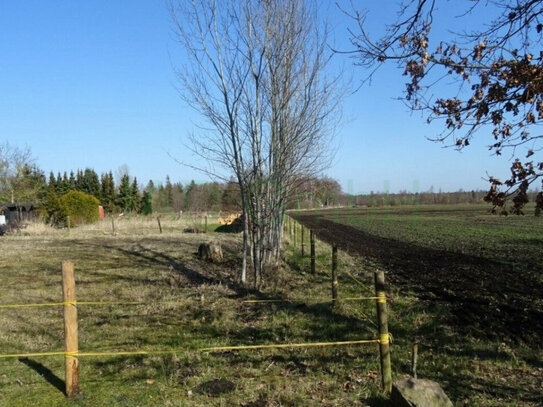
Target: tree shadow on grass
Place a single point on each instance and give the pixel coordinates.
(46, 373)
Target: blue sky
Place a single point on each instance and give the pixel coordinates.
(91, 84)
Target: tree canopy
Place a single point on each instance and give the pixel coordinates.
(496, 69)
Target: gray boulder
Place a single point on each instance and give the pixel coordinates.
(418, 393)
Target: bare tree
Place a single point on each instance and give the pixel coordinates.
(494, 71)
(12, 161)
(255, 70)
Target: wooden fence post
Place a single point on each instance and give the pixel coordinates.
(159, 224)
(312, 250)
(303, 241)
(68, 221)
(289, 226)
(414, 357)
(384, 348)
(295, 234)
(334, 272)
(205, 227)
(112, 226)
(70, 329)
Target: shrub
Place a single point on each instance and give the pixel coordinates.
(81, 207)
(56, 212)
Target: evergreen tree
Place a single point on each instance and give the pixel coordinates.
(90, 184)
(107, 193)
(78, 180)
(169, 192)
(188, 193)
(58, 184)
(71, 181)
(52, 181)
(136, 198)
(146, 207)
(124, 198)
(64, 186)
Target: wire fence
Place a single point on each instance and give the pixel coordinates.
(72, 353)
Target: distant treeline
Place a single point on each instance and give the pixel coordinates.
(154, 197)
(418, 198)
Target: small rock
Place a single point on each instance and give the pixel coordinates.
(418, 393)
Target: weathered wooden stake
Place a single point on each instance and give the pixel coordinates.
(295, 234)
(70, 329)
(159, 224)
(205, 227)
(290, 226)
(303, 241)
(113, 226)
(334, 272)
(384, 340)
(68, 220)
(312, 250)
(414, 357)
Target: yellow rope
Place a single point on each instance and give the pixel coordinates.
(289, 345)
(381, 297)
(23, 355)
(56, 304)
(209, 349)
(359, 298)
(357, 281)
(48, 304)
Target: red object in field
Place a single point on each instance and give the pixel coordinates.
(101, 212)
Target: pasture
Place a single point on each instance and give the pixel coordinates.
(465, 285)
(141, 264)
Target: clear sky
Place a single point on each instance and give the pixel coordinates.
(92, 84)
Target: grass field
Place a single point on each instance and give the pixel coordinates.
(140, 264)
(468, 287)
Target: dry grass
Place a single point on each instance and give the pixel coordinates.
(144, 265)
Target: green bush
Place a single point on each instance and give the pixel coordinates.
(55, 211)
(81, 207)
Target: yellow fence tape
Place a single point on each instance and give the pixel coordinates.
(208, 349)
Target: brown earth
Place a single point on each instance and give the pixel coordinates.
(486, 298)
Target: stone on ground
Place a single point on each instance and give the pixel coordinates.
(418, 393)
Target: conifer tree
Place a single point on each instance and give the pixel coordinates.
(146, 204)
(58, 184)
(64, 186)
(136, 198)
(52, 181)
(169, 192)
(124, 198)
(107, 193)
(71, 181)
(90, 184)
(78, 180)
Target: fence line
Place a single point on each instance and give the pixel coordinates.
(71, 352)
(380, 301)
(184, 350)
